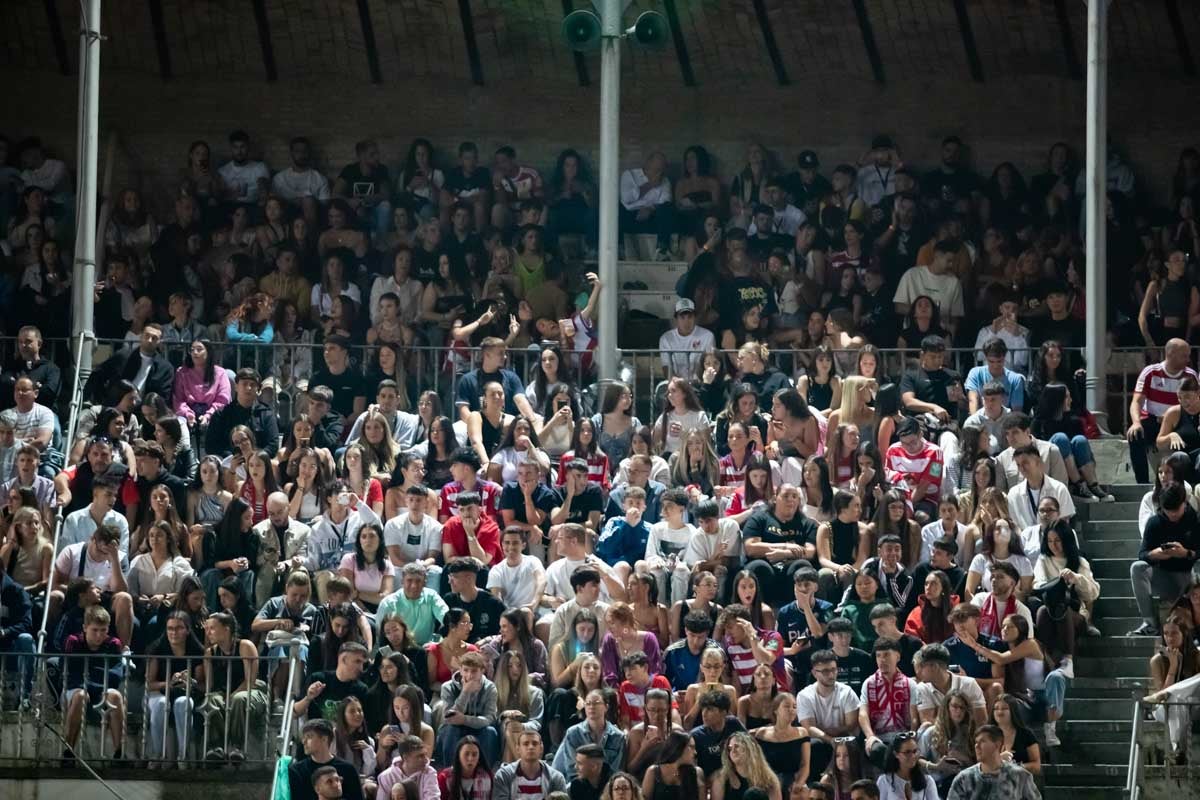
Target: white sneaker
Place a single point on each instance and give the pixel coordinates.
(1067, 667)
(1050, 735)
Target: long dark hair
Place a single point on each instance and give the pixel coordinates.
(449, 439)
(360, 558)
(229, 529)
(583, 173)
(1041, 374)
(209, 364)
(673, 748)
(1180, 465)
(935, 620)
(826, 487)
(509, 438)
(552, 392)
(579, 450)
(750, 495)
(454, 784)
(1070, 546)
(892, 765)
(1051, 402)
(755, 605)
(539, 376)
(331, 643)
(410, 160)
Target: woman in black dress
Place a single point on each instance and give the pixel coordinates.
(675, 776)
(785, 746)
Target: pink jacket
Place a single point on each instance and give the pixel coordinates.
(190, 388)
(426, 782)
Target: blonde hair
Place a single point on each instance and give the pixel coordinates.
(851, 384)
(680, 459)
(29, 516)
(760, 773)
(512, 695)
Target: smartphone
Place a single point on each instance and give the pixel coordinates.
(344, 499)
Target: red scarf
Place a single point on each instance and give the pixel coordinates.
(888, 703)
(990, 618)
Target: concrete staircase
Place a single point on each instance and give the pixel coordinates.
(1110, 672)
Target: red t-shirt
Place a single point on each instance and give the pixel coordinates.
(632, 700)
(488, 534)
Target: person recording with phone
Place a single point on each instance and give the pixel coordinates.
(1170, 542)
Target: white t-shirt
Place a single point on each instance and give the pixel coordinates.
(292, 184)
(702, 546)
(415, 541)
(99, 571)
(664, 541)
(558, 578)
(827, 712)
(983, 565)
(933, 531)
(945, 290)
(687, 421)
(242, 179)
(928, 696)
(681, 354)
(27, 424)
(632, 199)
(892, 786)
(517, 582)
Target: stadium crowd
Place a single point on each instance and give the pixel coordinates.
(806, 576)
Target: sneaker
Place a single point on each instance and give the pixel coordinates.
(235, 756)
(663, 255)
(1145, 629)
(1067, 666)
(68, 758)
(1093, 632)
(1050, 735)
(1102, 494)
(215, 754)
(1081, 494)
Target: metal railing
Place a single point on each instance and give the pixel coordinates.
(438, 368)
(1143, 741)
(197, 723)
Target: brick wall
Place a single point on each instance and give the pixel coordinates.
(1015, 119)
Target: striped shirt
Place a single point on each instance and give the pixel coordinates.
(1160, 389)
(632, 699)
(925, 466)
(489, 494)
(597, 469)
(743, 663)
(731, 473)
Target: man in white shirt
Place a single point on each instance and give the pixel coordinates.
(247, 182)
(684, 345)
(101, 559)
(32, 422)
(1023, 499)
(647, 205)
(937, 282)
(302, 185)
(27, 478)
(1017, 428)
(415, 535)
(827, 708)
(48, 174)
(519, 580)
(585, 583)
(877, 171)
(79, 525)
(716, 546)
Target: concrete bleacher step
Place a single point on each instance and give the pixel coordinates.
(1109, 531)
(1089, 793)
(1117, 607)
(1119, 626)
(1112, 548)
(1109, 568)
(1090, 774)
(1078, 708)
(1123, 510)
(659, 276)
(1113, 666)
(1114, 587)
(1118, 729)
(1128, 493)
(1105, 647)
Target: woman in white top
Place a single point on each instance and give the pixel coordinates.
(420, 179)
(903, 778)
(368, 568)
(158, 574)
(1060, 558)
(333, 284)
(557, 425)
(306, 495)
(681, 413)
(1000, 543)
(519, 445)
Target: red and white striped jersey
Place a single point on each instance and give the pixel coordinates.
(1160, 389)
(924, 466)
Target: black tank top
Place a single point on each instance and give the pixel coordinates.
(844, 547)
(227, 673)
(491, 434)
(820, 395)
(1189, 430)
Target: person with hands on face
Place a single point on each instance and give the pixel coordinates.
(527, 502)
(622, 543)
(410, 767)
(471, 532)
(747, 647)
(101, 559)
(469, 700)
(582, 503)
(802, 622)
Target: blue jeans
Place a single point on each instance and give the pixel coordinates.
(1076, 446)
(448, 736)
(22, 644)
(1053, 693)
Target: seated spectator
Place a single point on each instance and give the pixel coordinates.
(623, 636)
(946, 528)
(710, 677)
(883, 620)
(827, 709)
(245, 410)
(622, 543)
(1054, 420)
(937, 686)
(681, 661)
(889, 703)
(144, 366)
(995, 353)
(100, 559)
(937, 281)
(920, 464)
(1170, 543)
(92, 679)
(1007, 776)
(646, 203)
(1008, 330)
(1059, 622)
(468, 769)
(421, 608)
(989, 417)
(780, 540)
(904, 775)
(930, 620)
(743, 766)
(1172, 670)
(410, 768)
(1002, 600)
(895, 583)
(710, 737)
(1000, 545)
(747, 646)
(414, 535)
(594, 729)
(469, 701)
(27, 362)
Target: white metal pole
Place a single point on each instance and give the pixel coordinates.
(610, 129)
(1097, 190)
(86, 152)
